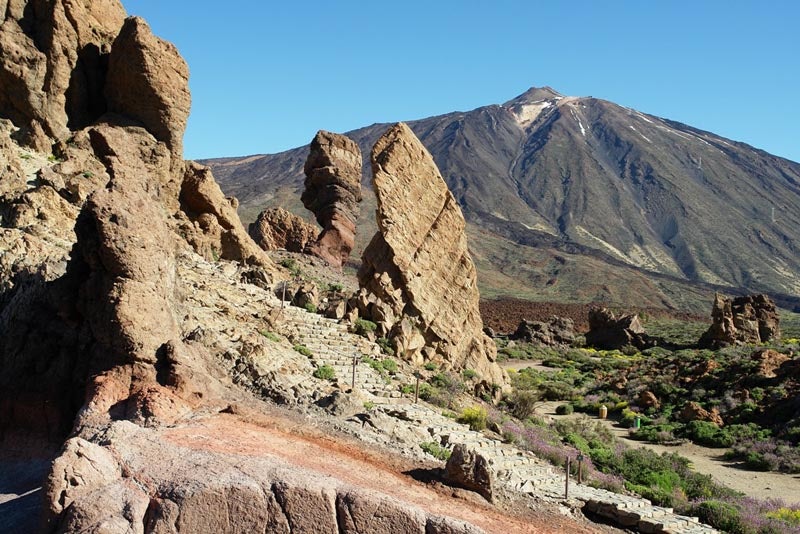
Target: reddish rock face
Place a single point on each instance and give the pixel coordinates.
(332, 193)
(276, 228)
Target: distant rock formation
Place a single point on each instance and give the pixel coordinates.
(418, 280)
(332, 192)
(743, 320)
(276, 228)
(609, 332)
(556, 332)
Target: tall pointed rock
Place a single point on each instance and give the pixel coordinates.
(417, 274)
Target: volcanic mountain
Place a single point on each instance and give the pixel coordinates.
(581, 199)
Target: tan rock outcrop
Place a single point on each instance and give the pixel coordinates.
(52, 64)
(750, 319)
(417, 269)
(332, 192)
(692, 411)
(276, 228)
(471, 470)
(216, 231)
(148, 81)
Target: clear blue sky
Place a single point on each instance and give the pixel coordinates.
(266, 75)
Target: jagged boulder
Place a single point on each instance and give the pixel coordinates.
(332, 192)
(471, 470)
(148, 81)
(417, 273)
(609, 332)
(53, 64)
(750, 319)
(216, 231)
(556, 332)
(276, 228)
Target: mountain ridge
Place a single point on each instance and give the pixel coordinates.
(585, 175)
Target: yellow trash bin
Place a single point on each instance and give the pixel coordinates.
(603, 411)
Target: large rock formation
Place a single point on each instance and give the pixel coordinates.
(609, 332)
(148, 81)
(418, 278)
(53, 64)
(750, 319)
(276, 228)
(332, 192)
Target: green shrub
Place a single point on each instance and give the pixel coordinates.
(564, 409)
(435, 450)
(335, 287)
(291, 265)
(389, 365)
(721, 515)
(430, 366)
(302, 349)
(474, 416)
(386, 345)
(369, 405)
(363, 327)
(468, 374)
(324, 372)
(786, 514)
(310, 307)
(406, 389)
(708, 434)
(272, 336)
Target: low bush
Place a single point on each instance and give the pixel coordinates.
(272, 336)
(291, 265)
(564, 409)
(468, 374)
(363, 327)
(435, 450)
(310, 307)
(324, 372)
(386, 345)
(474, 416)
(302, 349)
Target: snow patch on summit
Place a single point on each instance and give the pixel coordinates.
(529, 112)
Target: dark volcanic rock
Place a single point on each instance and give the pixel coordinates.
(332, 193)
(608, 332)
(558, 331)
(750, 319)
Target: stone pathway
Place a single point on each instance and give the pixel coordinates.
(332, 344)
(517, 470)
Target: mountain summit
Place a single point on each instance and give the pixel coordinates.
(561, 188)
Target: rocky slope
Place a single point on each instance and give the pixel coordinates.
(581, 199)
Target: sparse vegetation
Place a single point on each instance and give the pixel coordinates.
(435, 450)
(325, 372)
(310, 307)
(386, 345)
(364, 327)
(429, 366)
(291, 265)
(272, 336)
(302, 349)
(474, 416)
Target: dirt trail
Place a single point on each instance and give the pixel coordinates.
(353, 463)
(709, 461)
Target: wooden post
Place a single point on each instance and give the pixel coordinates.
(355, 362)
(566, 482)
(416, 389)
(283, 296)
(580, 469)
